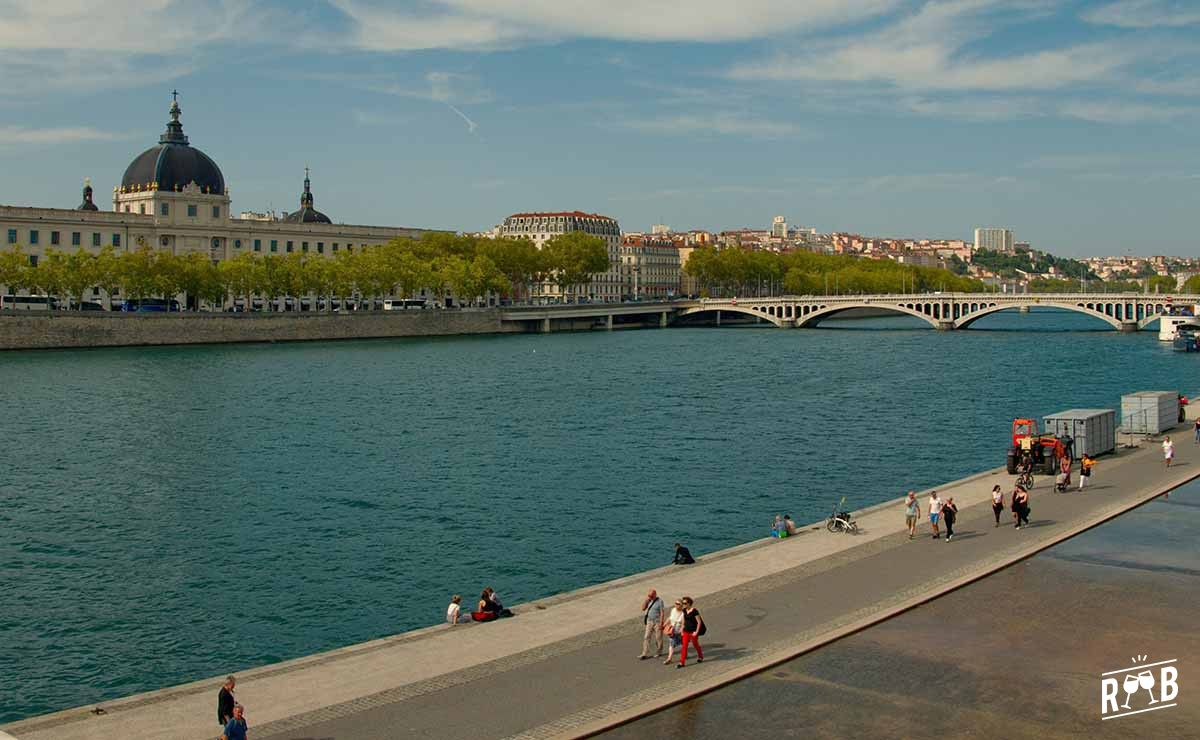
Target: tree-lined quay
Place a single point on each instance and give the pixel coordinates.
(437, 264)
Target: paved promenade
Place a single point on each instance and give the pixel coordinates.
(566, 666)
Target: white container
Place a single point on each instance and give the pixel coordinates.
(1094, 431)
(1149, 412)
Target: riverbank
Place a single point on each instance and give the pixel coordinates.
(67, 330)
(565, 667)
(1016, 655)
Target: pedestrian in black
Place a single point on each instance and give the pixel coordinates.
(1022, 505)
(225, 701)
(683, 556)
(949, 511)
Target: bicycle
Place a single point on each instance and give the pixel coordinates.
(1025, 480)
(841, 521)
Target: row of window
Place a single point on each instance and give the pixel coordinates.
(291, 246)
(164, 209)
(35, 238)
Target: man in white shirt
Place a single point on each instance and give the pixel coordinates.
(935, 513)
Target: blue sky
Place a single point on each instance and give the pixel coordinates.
(1073, 123)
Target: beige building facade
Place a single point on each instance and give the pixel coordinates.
(541, 227)
(173, 197)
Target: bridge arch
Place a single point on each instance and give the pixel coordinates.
(756, 312)
(814, 316)
(1096, 310)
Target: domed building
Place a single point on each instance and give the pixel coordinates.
(174, 197)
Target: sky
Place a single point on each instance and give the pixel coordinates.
(1073, 123)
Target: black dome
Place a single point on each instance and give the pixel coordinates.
(307, 213)
(307, 216)
(173, 164)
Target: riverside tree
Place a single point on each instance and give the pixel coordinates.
(573, 258)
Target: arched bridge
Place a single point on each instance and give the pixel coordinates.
(945, 311)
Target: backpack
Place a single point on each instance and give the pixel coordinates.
(703, 626)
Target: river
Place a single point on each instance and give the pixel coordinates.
(170, 514)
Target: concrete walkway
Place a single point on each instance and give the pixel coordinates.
(567, 666)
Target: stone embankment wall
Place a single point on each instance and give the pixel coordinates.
(64, 330)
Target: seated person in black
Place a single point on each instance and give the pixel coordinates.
(682, 555)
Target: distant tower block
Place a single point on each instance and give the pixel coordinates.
(779, 227)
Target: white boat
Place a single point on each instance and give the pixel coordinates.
(1168, 326)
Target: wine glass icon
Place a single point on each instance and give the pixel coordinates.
(1130, 685)
(1146, 680)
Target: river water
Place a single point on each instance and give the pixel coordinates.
(170, 514)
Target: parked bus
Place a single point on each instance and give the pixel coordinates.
(397, 304)
(149, 305)
(28, 303)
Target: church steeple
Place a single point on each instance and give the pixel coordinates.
(306, 198)
(87, 204)
(174, 133)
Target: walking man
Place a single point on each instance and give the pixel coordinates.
(912, 510)
(935, 513)
(949, 512)
(652, 625)
(225, 701)
(1085, 470)
(693, 627)
(235, 729)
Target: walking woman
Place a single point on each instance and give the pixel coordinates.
(693, 627)
(1015, 505)
(997, 503)
(949, 513)
(912, 512)
(674, 630)
(1168, 450)
(1023, 508)
(1085, 470)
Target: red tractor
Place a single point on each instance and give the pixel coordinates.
(1043, 450)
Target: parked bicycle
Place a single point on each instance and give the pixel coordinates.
(841, 521)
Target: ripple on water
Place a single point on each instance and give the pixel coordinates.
(348, 497)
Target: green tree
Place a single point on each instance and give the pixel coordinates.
(14, 270)
(1191, 286)
(575, 257)
(79, 273)
(518, 259)
(109, 275)
(1160, 284)
(241, 274)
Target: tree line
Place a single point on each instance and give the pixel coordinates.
(440, 262)
(726, 272)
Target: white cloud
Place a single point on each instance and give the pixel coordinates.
(978, 108)
(936, 48)
(724, 124)
(451, 88)
(18, 135)
(1121, 112)
(1144, 14)
(473, 24)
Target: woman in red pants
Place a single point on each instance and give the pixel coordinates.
(693, 627)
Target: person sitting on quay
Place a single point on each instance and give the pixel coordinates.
(778, 528)
(790, 525)
(683, 556)
(454, 609)
(489, 607)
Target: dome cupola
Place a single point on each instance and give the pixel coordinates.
(307, 213)
(87, 204)
(173, 164)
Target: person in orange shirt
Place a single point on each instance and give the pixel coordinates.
(1085, 470)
